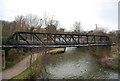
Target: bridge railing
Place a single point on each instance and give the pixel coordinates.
(30, 38)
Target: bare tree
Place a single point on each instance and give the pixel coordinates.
(6, 28)
(50, 24)
(77, 27)
(100, 30)
(19, 22)
(50, 20)
(33, 21)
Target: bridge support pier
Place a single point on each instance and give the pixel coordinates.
(4, 56)
(6, 52)
(3, 60)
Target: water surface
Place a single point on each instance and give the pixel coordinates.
(76, 63)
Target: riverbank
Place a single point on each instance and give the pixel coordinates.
(18, 68)
(75, 63)
(22, 69)
(38, 65)
(106, 56)
(13, 57)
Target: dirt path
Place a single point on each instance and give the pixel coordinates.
(18, 68)
(21, 66)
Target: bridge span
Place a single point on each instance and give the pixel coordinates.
(32, 39)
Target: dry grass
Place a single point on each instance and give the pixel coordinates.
(104, 55)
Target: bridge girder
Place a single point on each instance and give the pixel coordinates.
(32, 39)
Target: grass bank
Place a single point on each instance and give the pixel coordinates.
(116, 65)
(14, 56)
(12, 63)
(32, 71)
(106, 56)
(35, 70)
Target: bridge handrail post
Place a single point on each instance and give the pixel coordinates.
(94, 39)
(87, 39)
(101, 39)
(109, 42)
(17, 38)
(78, 39)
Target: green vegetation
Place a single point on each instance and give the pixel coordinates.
(117, 64)
(32, 72)
(4, 40)
(23, 75)
(16, 60)
(14, 56)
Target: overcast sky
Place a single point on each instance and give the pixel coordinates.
(104, 13)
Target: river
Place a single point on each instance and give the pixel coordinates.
(76, 64)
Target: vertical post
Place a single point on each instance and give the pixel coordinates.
(6, 52)
(69, 37)
(17, 38)
(3, 58)
(96, 26)
(5, 55)
(66, 39)
(87, 39)
(54, 38)
(100, 39)
(47, 39)
(82, 40)
(94, 39)
(59, 39)
(78, 39)
(33, 38)
(30, 37)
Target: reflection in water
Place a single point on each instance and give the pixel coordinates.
(76, 63)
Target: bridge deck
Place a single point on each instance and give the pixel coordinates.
(37, 46)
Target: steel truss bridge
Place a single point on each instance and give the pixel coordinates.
(32, 39)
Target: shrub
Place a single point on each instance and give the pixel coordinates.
(4, 40)
(116, 66)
